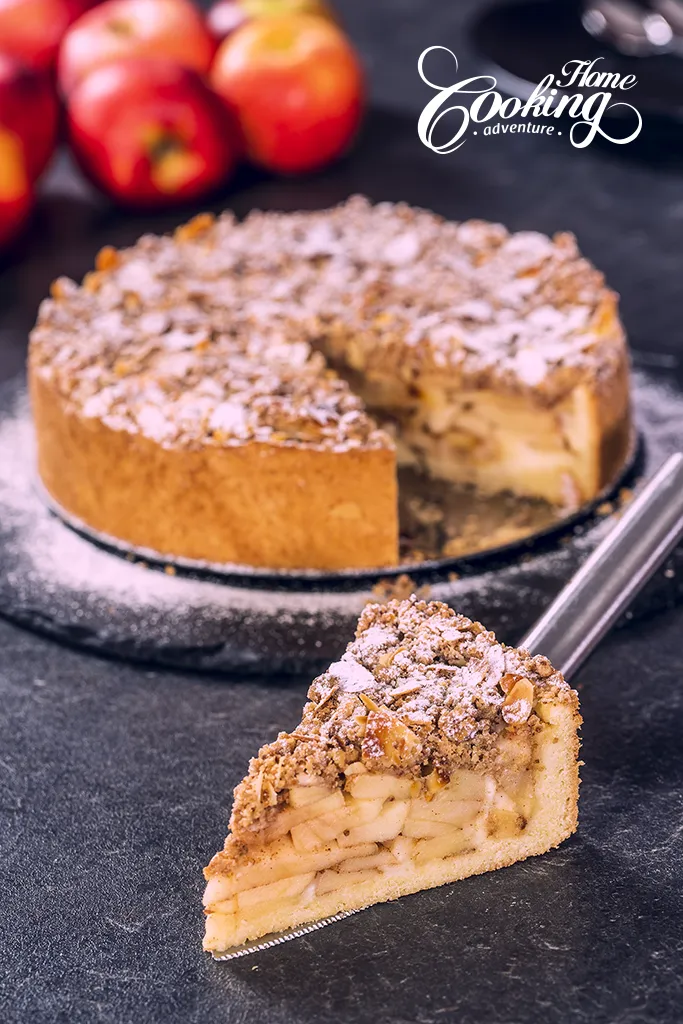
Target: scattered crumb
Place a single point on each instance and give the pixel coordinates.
(606, 509)
(471, 539)
(427, 513)
(169, 570)
(417, 555)
(398, 589)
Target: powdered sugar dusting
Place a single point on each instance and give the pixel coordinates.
(439, 659)
(351, 676)
(247, 304)
(441, 698)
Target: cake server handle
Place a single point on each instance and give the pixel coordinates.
(592, 601)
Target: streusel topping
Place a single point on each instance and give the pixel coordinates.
(420, 689)
(211, 336)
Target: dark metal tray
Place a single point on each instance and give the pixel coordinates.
(57, 581)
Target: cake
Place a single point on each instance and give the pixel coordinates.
(428, 753)
(244, 392)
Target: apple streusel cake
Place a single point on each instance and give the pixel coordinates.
(430, 752)
(243, 392)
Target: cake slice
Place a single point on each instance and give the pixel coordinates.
(430, 752)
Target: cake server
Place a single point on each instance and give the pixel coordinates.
(585, 609)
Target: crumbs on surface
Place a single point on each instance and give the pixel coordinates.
(398, 588)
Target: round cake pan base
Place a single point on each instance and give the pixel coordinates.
(58, 582)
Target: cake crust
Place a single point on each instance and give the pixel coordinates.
(283, 506)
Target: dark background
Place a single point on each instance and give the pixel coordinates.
(115, 781)
(625, 203)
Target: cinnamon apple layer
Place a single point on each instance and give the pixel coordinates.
(242, 392)
(430, 752)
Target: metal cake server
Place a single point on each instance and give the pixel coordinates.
(589, 605)
(585, 609)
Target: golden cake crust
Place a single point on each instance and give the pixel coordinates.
(258, 504)
(201, 354)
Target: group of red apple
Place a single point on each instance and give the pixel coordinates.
(160, 103)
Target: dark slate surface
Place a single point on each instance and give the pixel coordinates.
(115, 782)
(115, 787)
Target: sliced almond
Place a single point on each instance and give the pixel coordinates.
(519, 702)
(258, 786)
(199, 225)
(107, 258)
(330, 693)
(508, 681)
(405, 691)
(388, 739)
(368, 702)
(385, 660)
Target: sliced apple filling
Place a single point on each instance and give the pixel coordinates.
(494, 441)
(376, 828)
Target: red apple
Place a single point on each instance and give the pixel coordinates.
(150, 132)
(29, 109)
(16, 196)
(32, 29)
(118, 29)
(227, 15)
(296, 87)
